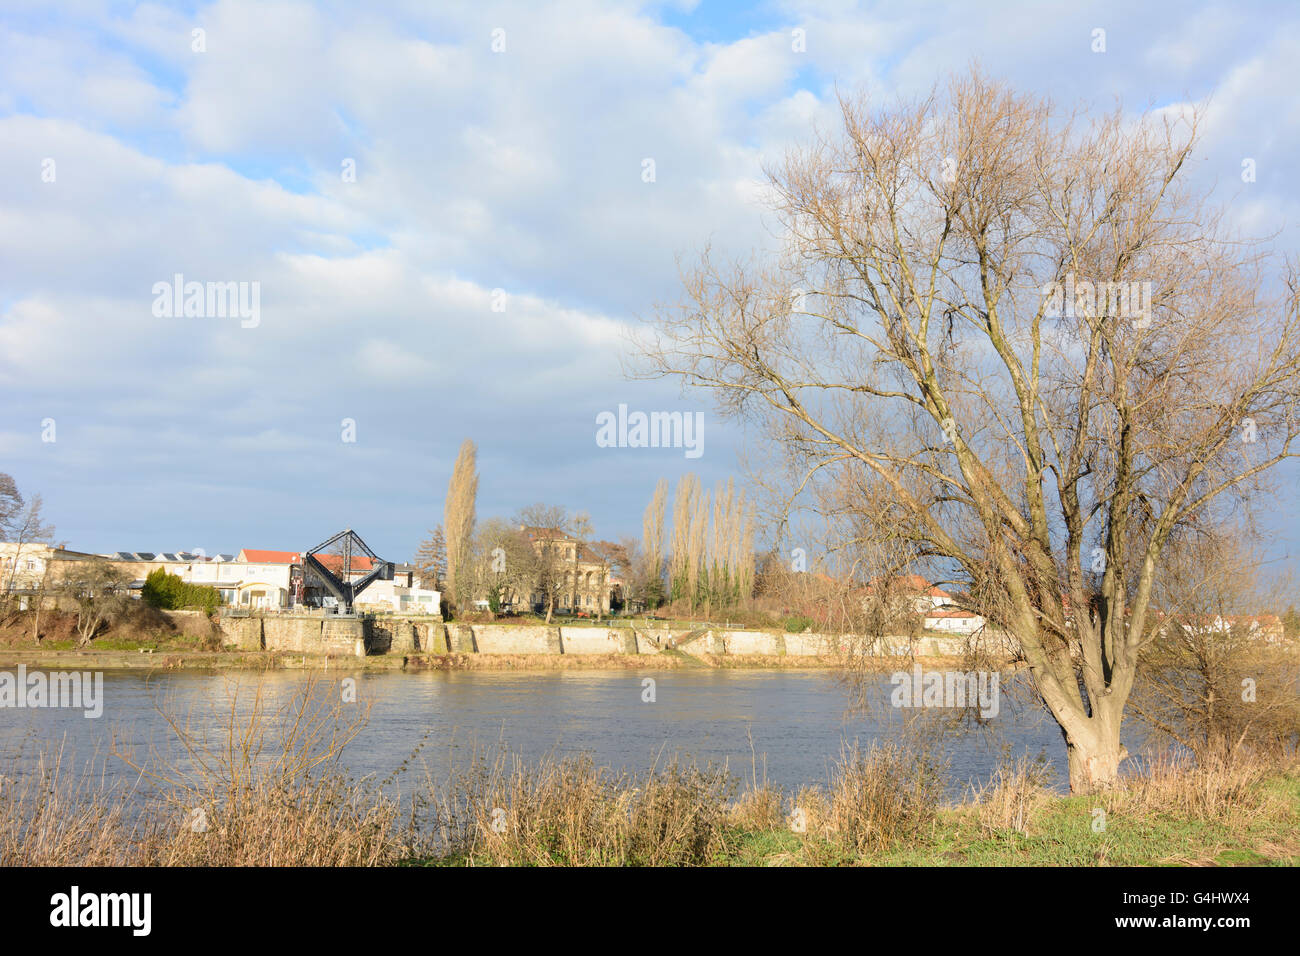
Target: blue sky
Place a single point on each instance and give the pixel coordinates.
(518, 170)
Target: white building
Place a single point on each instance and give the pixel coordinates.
(402, 595)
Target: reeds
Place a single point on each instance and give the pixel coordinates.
(565, 811)
(1010, 800)
(268, 789)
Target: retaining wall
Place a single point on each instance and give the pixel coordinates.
(334, 634)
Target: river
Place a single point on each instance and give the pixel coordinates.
(788, 726)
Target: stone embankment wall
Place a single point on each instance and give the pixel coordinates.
(333, 634)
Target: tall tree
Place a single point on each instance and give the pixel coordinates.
(1020, 341)
(458, 520)
(688, 487)
(697, 546)
(581, 531)
(652, 544)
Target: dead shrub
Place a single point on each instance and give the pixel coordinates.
(888, 792)
(1008, 802)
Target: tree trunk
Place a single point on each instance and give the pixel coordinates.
(1094, 756)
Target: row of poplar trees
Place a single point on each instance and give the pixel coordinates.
(708, 561)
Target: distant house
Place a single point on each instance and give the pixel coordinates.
(24, 567)
(279, 576)
(403, 595)
(953, 620)
(1265, 627)
(585, 584)
(940, 609)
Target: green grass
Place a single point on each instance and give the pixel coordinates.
(1060, 833)
(174, 642)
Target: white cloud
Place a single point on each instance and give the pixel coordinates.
(475, 171)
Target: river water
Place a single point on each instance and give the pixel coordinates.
(790, 725)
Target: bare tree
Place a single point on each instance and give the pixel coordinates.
(1018, 341)
(458, 521)
(431, 560)
(546, 522)
(581, 531)
(688, 487)
(11, 503)
(1211, 678)
(652, 537)
(504, 565)
(696, 545)
(38, 596)
(22, 526)
(98, 589)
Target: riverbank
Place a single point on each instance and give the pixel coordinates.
(1262, 829)
(152, 658)
(883, 806)
(235, 638)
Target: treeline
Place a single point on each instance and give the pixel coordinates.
(499, 562)
(698, 556)
(707, 562)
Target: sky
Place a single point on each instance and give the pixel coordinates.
(448, 213)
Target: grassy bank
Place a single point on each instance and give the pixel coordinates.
(882, 808)
(1263, 829)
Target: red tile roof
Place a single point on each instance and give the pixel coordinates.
(910, 584)
(270, 557)
(360, 562)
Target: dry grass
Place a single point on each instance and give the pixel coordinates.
(1009, 801)
(53, 817)
(267, 790)
(887, 792)
(565, 811)
(1214, 787)
(761, 808)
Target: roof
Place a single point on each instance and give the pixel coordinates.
(585, 552)
(252, 556)
(360, 562)
(911, 584)
(163, 557)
